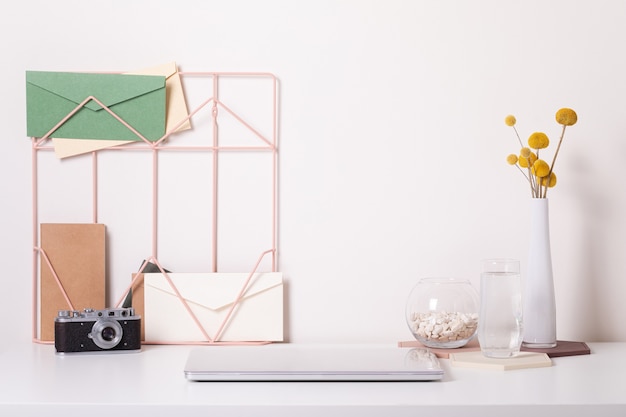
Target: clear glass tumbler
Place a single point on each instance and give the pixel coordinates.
(500, 324)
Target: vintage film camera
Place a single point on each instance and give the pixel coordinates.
(113, 330)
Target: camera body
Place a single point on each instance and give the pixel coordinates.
(108, 330)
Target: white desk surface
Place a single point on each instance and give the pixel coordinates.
(34, 380)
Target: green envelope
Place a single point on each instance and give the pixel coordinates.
(139, 100)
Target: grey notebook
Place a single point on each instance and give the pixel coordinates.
(289, 362)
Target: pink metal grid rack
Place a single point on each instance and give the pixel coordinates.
(212, 104)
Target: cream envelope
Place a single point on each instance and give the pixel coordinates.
(176, 113)
(210, 296)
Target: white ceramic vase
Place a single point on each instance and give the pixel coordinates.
(539, 313)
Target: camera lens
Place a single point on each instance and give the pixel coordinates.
(106, 333)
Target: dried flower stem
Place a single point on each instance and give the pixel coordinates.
(534, 185)
(518, 138)
(556, 153)
(535, 182)
(531, 182)
(523, 173)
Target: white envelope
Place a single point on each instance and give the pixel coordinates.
(210, 296)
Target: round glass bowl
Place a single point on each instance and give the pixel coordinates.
(443, 312)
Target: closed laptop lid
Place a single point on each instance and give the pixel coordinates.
(290, 362)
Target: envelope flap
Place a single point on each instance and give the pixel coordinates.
(213, 290)
(110, 89)
(166, 70)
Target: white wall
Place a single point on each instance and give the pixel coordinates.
(392, 140)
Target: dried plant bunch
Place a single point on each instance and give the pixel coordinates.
(537, 171)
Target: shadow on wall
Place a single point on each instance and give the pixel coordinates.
(591, 261)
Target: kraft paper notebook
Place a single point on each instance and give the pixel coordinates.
(76, 253)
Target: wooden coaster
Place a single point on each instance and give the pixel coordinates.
(522, 361)
(563, 348)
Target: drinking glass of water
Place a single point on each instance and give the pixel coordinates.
(500, 324)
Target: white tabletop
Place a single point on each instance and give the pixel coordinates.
(35, 380)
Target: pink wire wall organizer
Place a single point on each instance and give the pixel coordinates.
(267, 143)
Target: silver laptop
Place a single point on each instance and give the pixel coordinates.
(289, 362)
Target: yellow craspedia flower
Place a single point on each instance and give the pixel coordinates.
(540, 168)
(549, 181)
(537, 172)
(523, 162)
(510, 120)
(566, 117)
(525, 152)
(527, 161)
(511, 159)
(538, 140)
